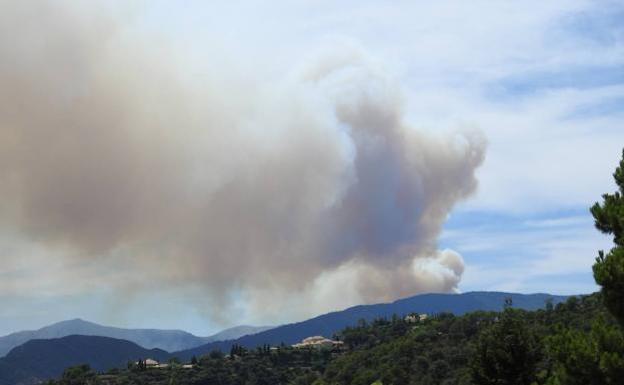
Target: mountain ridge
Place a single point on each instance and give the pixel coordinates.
(332, 322)
(41, 359)
(150, 338)
(15, 367)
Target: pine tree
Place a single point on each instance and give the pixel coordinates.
(597, 358)
(609, 267)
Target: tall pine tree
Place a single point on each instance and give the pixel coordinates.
(609, 267)
(597, 357)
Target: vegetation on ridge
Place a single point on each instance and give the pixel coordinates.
(477, 348)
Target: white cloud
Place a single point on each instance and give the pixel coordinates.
(515, 254)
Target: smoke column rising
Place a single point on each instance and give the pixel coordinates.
(283, 193)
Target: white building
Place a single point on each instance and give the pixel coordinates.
(150, 363)
(317, 342)
(413, 318)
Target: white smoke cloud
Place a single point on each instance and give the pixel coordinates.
(291, 190)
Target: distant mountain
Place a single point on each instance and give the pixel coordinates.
(331, 323)
(169, 340)
(236, 332)
(38, 360)
(148, 338)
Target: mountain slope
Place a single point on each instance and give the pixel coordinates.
(331, 323)
(148, 338)
(236, 332)
(46, 358)
(169, 340)
(43, 359)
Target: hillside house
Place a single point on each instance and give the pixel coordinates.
(153, 364)
(317, 342)
(414, 318)
(150, 363)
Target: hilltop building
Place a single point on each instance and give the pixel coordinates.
(317, 342)
(153, 364)
(150, 363)
(414, 317)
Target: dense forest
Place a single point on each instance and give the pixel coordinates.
(579, 342)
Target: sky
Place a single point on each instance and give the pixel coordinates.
(196, 166)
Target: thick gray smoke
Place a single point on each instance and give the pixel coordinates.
(109, 150)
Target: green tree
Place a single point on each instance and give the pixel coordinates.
(594, 358)
(78, 375)
(507, 353)
(609, 267)
(597, 357)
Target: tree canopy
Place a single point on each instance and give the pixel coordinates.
(609, 267)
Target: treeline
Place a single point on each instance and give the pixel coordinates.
(555, 345)
(549, 346)
(282, 365)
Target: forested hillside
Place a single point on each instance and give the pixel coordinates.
(525, 347)
(46, 358)
(334, 322)
(42, 359)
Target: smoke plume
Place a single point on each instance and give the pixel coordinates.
(268, 191)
